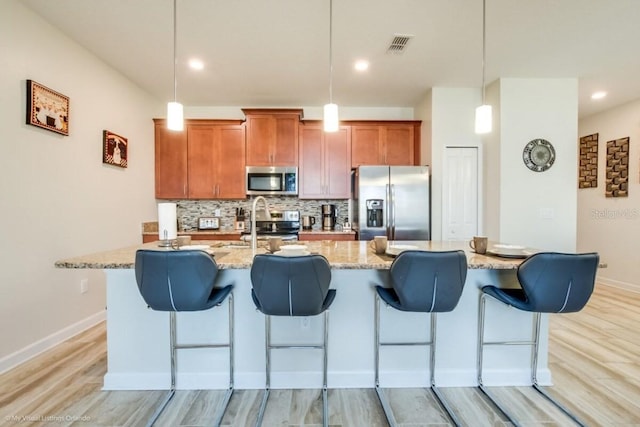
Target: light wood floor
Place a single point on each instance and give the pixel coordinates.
(594, 358)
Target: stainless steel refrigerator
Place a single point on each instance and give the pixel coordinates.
(392, 201)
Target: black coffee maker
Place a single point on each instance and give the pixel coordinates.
(329, 216)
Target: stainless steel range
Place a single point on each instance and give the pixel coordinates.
(285, 224)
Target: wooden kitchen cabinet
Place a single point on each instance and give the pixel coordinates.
(318, 235)
(272, 136)
(146, 238)
(384, 143)
(205, 161)
(216, 161)
(324, 163)
(170, 162)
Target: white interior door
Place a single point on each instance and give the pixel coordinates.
(460, 193)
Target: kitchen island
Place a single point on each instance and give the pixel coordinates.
(138, 338)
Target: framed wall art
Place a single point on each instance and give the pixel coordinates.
(114, 149)
(588, 163)
(47, 108)
(617, 181)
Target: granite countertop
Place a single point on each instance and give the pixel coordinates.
(340, 254)
(238, 232)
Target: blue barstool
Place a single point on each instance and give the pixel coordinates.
(426, 282)
(550, 283)
(292, 286)
(183, 281)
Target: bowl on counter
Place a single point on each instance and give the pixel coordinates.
(293, 250)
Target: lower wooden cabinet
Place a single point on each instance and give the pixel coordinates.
(146, 238)
(326, 236)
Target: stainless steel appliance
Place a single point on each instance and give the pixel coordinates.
(285, 224)
(392, 201)
(308, 222)
(208, 223)
(272, 180)
(329, 215)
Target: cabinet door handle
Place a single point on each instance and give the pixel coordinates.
(184, 189)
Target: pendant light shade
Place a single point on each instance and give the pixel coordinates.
(175, 115)
(483, 119)
(483, 113)
(331, 120)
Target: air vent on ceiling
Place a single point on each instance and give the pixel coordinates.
(399, 43)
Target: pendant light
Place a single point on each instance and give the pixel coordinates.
(331, 121)
(175, 116)
(483, 112)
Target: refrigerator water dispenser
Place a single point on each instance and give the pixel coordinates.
(374, 213)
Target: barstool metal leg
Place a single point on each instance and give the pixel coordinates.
(481, 342)
(227, 396)
(388, 413)
(325, 347)
(172, 388)
(534, 372)
(432, 369)
(265, 395)
(535, 346)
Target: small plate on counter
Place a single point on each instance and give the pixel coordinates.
(508, 251)
(292, 253)
(194, 247)
(395, 250)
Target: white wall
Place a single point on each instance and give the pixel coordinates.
(452, 124)
(530, 109)
(611, 226)
(57, 198)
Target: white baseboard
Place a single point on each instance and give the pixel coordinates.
(618, 284)
(14, 359)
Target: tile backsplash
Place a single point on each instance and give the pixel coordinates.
(188, 211)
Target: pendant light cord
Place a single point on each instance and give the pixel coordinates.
(330, 51)
(484, 44)
(175, 59)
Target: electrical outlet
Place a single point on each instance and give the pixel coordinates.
(304, 323)
(216, 212)
(84, 286)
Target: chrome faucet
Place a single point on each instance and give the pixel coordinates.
(254, 214)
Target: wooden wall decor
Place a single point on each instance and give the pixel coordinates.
(588, 166)
(617, 168)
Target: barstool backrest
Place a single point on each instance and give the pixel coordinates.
(175, 280)
(290, 286)
(429, 281)
(558, 282)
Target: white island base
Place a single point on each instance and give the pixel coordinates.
(139, 357)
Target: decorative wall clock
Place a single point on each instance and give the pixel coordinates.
(539, 155)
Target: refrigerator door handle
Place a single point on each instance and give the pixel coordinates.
(393, 211)
(388, 211)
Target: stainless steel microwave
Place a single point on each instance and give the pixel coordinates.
(272, 180)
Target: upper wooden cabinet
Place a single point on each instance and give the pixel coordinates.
(216, 161)
(324, 163)
(171, 162)
(384, 143)
(272, 136)
(205, 161)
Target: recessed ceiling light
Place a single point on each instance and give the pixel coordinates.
(196, 64)
(361, 65)
(598, 95)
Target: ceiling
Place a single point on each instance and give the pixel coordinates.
(275, 53)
